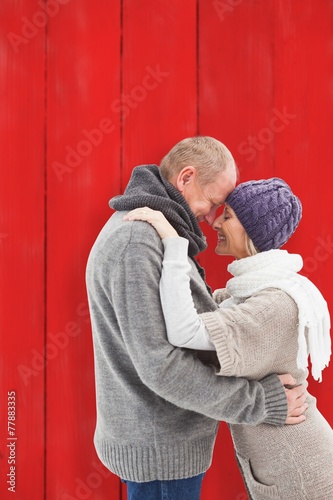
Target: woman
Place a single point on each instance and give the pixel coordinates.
(270, 320)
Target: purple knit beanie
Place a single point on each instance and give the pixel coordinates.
(268, 211)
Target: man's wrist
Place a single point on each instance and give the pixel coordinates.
(276, 404)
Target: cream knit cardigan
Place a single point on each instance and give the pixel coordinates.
(252, 339)
(258, 336)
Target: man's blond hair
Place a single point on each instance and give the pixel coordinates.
(209, 156)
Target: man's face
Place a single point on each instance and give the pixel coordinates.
(204, 201)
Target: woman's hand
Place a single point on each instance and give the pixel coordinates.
(155, 218)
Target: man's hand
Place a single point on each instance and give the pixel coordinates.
(296, 397)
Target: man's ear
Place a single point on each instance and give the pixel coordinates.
(185, 177)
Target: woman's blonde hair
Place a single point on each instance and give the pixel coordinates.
(249, 246)
(209, 156)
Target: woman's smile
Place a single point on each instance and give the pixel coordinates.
(221, 238)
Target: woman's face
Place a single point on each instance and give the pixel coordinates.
(231, 234)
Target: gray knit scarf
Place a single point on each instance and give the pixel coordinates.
(147, 188)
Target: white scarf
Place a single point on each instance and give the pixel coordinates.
(279, 269)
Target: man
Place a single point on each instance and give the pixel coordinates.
(158, 406)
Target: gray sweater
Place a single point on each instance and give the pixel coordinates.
(158, 406)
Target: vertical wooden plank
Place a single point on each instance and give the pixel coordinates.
(304, 82)
(83, 173)
(159, 79)
(236, 84)
(22, 67)
(236, 79)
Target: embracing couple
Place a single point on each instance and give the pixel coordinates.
(172, 359)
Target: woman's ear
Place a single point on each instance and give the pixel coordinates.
(185, 177)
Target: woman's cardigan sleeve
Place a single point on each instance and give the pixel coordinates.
(251, 336)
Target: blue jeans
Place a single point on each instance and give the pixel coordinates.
(176, 489)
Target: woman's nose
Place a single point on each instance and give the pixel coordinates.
(217, 223)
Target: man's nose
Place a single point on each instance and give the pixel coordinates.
(210, 217)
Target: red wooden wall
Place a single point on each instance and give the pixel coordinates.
(89, 90)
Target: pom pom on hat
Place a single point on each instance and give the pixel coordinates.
(268, 210)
